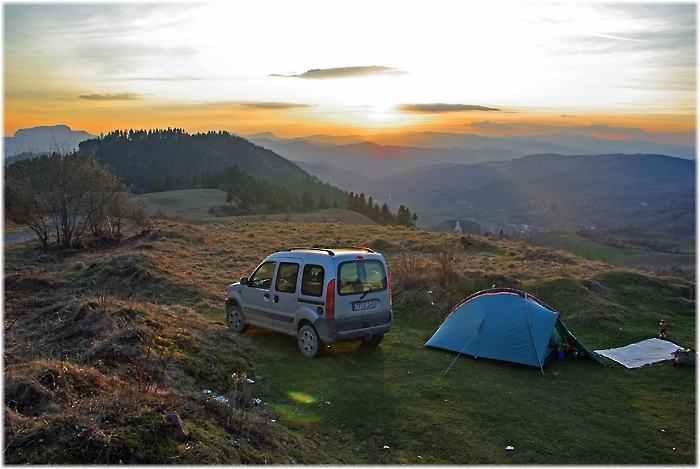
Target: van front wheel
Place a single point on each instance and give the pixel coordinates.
(372, 339)
(309, 343)
(234, 319)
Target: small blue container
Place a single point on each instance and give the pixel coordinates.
(561, 355)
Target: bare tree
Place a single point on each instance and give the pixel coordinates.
(59, 196)
(56, 146)
(104, 196)
(26, 195)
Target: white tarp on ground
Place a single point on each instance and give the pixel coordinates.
(642, 353)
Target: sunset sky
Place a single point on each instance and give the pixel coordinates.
(299, 68)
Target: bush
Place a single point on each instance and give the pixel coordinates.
(444, 256)
(60, 196)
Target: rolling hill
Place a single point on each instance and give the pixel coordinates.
(545, 192)
(164, 160)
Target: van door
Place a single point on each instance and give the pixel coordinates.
(363, 296)
(257, 296)
(284, 296)
(313, 278)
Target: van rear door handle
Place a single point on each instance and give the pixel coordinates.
(276, 299)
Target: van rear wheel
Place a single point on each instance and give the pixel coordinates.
(372, 339)
(309, 343)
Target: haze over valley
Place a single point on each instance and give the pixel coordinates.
(378, 155)
(494, 188)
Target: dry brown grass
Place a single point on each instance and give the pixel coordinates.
(101, 344)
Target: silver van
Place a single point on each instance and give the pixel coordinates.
(321, 296)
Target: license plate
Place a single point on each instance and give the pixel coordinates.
(361, 306)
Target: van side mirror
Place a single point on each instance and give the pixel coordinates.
(243, 281)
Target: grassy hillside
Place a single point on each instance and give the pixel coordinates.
(120, 354)
(191, 204)
(652, 252)
(200, 205)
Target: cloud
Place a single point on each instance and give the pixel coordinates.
(344, 72)
(111, 97)
(276, 105)
(440, 107)
(488, 125)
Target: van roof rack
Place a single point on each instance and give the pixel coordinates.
(328, 249)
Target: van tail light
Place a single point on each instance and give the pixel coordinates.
(391, 292)
(330, 300)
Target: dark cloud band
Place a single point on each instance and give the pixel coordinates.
(343, 72)
(111, 97)
(439, 107)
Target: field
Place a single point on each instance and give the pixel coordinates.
(197, 206)
(652, 252)
(120, 354)
(628, 248)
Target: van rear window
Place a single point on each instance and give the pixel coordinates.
(361, 276)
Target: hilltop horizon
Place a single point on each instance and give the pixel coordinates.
(44, 137)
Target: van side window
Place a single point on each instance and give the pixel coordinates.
(287, 277)
(312, 280)
(262, 278)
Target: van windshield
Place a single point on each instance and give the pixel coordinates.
(361, 276)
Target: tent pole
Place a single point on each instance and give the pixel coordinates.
(532, 335)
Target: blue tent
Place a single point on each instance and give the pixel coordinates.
(508, 325)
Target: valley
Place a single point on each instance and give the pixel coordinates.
(542, 193)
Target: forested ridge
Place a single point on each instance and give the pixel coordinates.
(256, 180)
(158, 160)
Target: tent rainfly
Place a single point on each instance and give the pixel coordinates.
(505, 324)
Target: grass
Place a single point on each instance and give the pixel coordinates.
(197, 205)
(189, 204)
(655, 253)
(689, 249)
(101, 345)
(396, 404)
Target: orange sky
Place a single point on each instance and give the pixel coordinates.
(328, 67)
(289, 124)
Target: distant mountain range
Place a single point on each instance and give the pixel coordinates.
(560, 181)
(542, 183)
(554, 192)
(373, 161)
(44, 139)
(380, 155)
